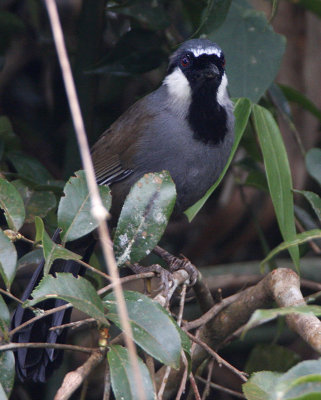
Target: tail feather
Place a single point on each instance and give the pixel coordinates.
(38, 364)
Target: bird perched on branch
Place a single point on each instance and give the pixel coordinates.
(184, 127)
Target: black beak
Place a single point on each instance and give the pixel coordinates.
(211, 72)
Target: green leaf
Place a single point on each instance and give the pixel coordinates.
(278, 175)
(214, 15)
(260, 316)
(144, 217)
(254, 55)
(29, 168)
(123, 377)
(12, 204)
(8, 260)
(301, 382)
(153, 329)
(51, 250)
(77, 291)
(297, 97)
(74, 211)
(7, 371)
(270, 357)
(260, 386)
(242, 111)
(36, 202)
(313, 164)
(150, 14)
(298, 239)
(313, 199)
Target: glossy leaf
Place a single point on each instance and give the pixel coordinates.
(51, 250)
(123, 378)
(301, 382)
(313, 164)
(242, 111)
(12, 205)
(144, 217)
(8, 260)
(278, 175)
(313, 199)
(153, 329)
(254, 54)
(35, 202)
(299, 238)
(74, 211)
(77, 291)
(7, 371)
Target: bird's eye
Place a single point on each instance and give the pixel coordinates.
(223, 61)
(185, 61)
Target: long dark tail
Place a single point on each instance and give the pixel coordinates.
(38, 364)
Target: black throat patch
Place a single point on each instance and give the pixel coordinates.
(206, 117)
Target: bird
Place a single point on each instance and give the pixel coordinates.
(185, 126)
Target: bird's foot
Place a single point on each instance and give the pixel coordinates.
(176, 263)
(165, 276)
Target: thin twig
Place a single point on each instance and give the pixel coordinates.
(59, 346)
(181, 305)
(163, 384)
(184, 378)
(222, 388)
(126, 279)
(75, 324)
(94, 270)
(194, 387)
(37, 317)
(219, 359)
(4, 292)
(212, 312)
(210, 367)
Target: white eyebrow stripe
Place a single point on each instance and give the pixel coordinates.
(198, 51)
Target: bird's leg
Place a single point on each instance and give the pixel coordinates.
(176, 263)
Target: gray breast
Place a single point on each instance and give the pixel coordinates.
(168, 144)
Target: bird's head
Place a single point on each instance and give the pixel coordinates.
(196, 64)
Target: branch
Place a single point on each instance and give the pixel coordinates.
(75, 378)
(12, 346)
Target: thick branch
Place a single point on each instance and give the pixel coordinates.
(282, 286)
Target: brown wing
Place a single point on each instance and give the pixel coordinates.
(113, 153)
